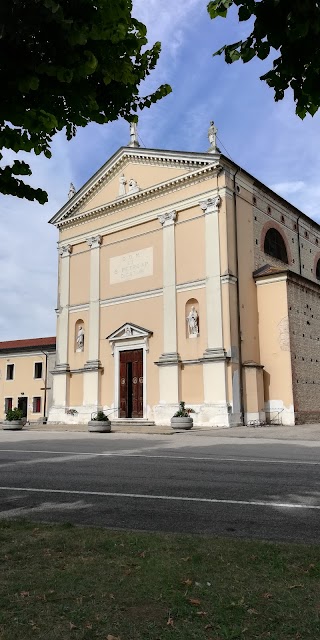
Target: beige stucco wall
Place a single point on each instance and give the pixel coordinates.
(190, 246)
(191, 384)
(150, 238)
(247, 291)
(79, 274)
(275, 345)
(145, 176)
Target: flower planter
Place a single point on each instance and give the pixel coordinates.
(182, 423)
(99, 426)
(12, 425)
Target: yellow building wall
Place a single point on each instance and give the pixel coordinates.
(247, 289)
(275, 342)
(24, 384)
(80, 274)
(190, 247)
(149, 241)
(145, 176)
(191, 384)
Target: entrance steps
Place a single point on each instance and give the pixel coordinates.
(132, 422)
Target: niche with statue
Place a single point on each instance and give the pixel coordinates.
(79, 337)
(192, 318)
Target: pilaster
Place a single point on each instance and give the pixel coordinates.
(170, 359)
(214, 358)
(61, 372)
(93, 365)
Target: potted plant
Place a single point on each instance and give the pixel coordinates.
(13, 419)
(181, 419)
(99, 422)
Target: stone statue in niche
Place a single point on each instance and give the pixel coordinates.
(193, 322)
(122, 186)
(80, 340)
(133, 187)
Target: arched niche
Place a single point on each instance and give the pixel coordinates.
(79, 336)
(192, 316)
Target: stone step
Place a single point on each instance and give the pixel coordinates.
(132, 422)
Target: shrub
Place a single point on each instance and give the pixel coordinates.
(183, 412)
(14, 414)
(100, 416)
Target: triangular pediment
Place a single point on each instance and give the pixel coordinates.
(129, 331)
(129, 174)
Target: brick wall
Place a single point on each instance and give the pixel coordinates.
(267, 212)
(304, 327)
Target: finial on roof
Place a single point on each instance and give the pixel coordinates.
(212, 135)
(133, 135)
(72, 191)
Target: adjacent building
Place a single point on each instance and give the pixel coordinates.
(182, 277)
(25, 376)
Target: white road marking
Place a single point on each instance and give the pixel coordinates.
(166, 457)
(142, 496)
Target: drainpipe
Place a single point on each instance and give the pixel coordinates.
(238, 296)
(298, 232)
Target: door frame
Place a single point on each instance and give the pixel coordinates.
(26, 403)
(130, 345)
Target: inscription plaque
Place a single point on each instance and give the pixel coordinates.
(130, 266)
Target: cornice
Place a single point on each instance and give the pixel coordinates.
(139, 156)
(142, 218)
(141, 196)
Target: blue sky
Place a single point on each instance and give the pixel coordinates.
(264, 137)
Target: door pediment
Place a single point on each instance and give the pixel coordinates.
(129, 332)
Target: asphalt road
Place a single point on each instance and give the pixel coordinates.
(244, 488)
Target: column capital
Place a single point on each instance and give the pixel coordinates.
(211, 205)
(168, 218)
(94, 242)
(65, 250)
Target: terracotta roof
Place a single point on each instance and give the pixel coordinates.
(28, 344)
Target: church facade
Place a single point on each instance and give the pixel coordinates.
(182, 277)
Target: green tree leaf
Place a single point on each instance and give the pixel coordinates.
(290, 27)
(67, 64)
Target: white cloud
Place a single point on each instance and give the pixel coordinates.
(285, 189)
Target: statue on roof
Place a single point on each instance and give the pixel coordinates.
(72, 191)
(212, 135)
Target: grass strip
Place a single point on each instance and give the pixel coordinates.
(61, 581)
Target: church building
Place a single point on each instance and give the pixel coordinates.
(182, 277)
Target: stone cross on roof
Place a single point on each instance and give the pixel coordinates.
(134, 142)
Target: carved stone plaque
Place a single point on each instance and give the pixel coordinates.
(131, 266)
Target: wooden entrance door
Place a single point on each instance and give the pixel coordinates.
(23, 405)
(131, 384)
